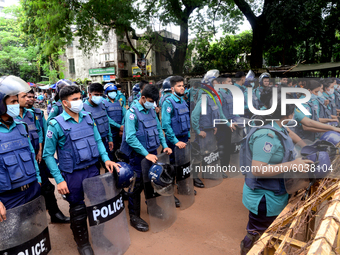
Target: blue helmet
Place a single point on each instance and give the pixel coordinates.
(166, 86)
(110, 87)
(263, 76)
(126, 177)
(161, 177)
(10, 86)
(63, 83)
(136, 88)
(331, 136)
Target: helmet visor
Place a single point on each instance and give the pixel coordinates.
(164, 191)
(12, 85)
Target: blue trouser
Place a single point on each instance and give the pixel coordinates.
(257, 224)
(74, 182)
(134, 198)
(172, 146)
(21, 197)
(106, 144)
(117, 140)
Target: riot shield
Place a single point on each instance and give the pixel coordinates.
(25, 231)
(185, 188)
(235, 147)
(211, 168)
(106, 214)
(295, 181)
(161, 208)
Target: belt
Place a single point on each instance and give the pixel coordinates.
(83, 168)
(19, 189)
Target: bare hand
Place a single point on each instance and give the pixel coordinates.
(110, 165)
(111, 146)
(152, 158)
(121, 128)
(215, 131)
(2, 212)
(157, 109)
(168, 151)
(62, 188)
(326, 102)
(202, 134)
(39, 156)
(233, 127)
(181, 145)
(304, 162)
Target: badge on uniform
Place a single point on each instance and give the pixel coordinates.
(131, 116)
(168, 109)
(267, 147)
(52, 110)
(49, 134)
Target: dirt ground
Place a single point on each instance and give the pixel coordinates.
(214, 224)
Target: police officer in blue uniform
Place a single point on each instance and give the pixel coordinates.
(47, 188)
(75, 137)
(240, 78)
(57, 107)
(94, 105)
(120, 96)
(141, 138)
(176, 118)
(116, 112)
(264, 193)
(166, 91)
(141, 86)
(19, 171)
(135, 91)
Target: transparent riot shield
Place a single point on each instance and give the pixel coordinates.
(161, 208)
(184, 180)
(25, 231)
(295, 181)
(211, 167)
(106, 214)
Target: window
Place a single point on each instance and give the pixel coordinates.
(107, 57)
(133, 58)
(71, 66)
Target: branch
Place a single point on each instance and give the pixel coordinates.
(156, 39)
(131, 45)
(246, 10)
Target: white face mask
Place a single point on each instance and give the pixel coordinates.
(320, 94)
(76, 106)
(330, 91)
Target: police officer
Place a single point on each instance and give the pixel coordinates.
(135, 91)
(141, 86)
(57, 107)
(47, 188)
(19, 171)
(120, 96)
(263, 84)
(240, 78)
(166, 90)
(141, 138)
(116, 112)
(264, 194)
(176, 118)
(98, 112)
(79, 145)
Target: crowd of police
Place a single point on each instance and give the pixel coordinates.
(124, 137)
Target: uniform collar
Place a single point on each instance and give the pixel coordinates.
(13, 125)
(66, 116)
(140, 107)
(176, 98)
(88, 103)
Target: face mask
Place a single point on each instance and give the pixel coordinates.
(112, 95)
(13, 110)
(336, 86)
(252, 84)
(148, 105)
(330, 92)
(76, 106)
(319, 94)
(313, 96)
(97, 99)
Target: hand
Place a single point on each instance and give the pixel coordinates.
(120, 133)
(215, 131)
(305, 162)
(121, 128)
(2, 212)
(202, 134)
(152, 158)
(62, 188)
(39, 156)
(326, 102)
(233, 127)
(336, 129)
(110, 165)
(168, 151)
(181, 145)
(157, 109)
(111, 146)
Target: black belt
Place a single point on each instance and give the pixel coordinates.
(19, 189)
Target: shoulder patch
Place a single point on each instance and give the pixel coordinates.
(52, 122)
(131, 116)
(52, 110)
(168, 109)
(298, 110)
(267, 147)
(49, 134)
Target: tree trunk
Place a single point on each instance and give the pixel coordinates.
(259, 34)
(177, 63)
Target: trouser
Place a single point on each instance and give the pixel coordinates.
(134, 197)
(117, 141)
(257, 225)
(172, 146)
(16, 199)
(223, 137)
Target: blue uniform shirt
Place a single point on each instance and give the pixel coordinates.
(251, 198)
(167, 114)
(37, 124)
(54, 112)
(4, 129)
(56, 136)
(131, 126)
(245, 92)
(120, 97)
(111, 121)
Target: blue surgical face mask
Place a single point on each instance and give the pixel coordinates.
(112, 95)
(97, 99)
(148, 105)
(76, 106)
(13, 110)
(313, 96)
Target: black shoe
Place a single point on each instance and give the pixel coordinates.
(198, 183)
(59, 217)
(138, 223)
(177, 202)
(195, 192)
(224, 175)
(85, 249)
